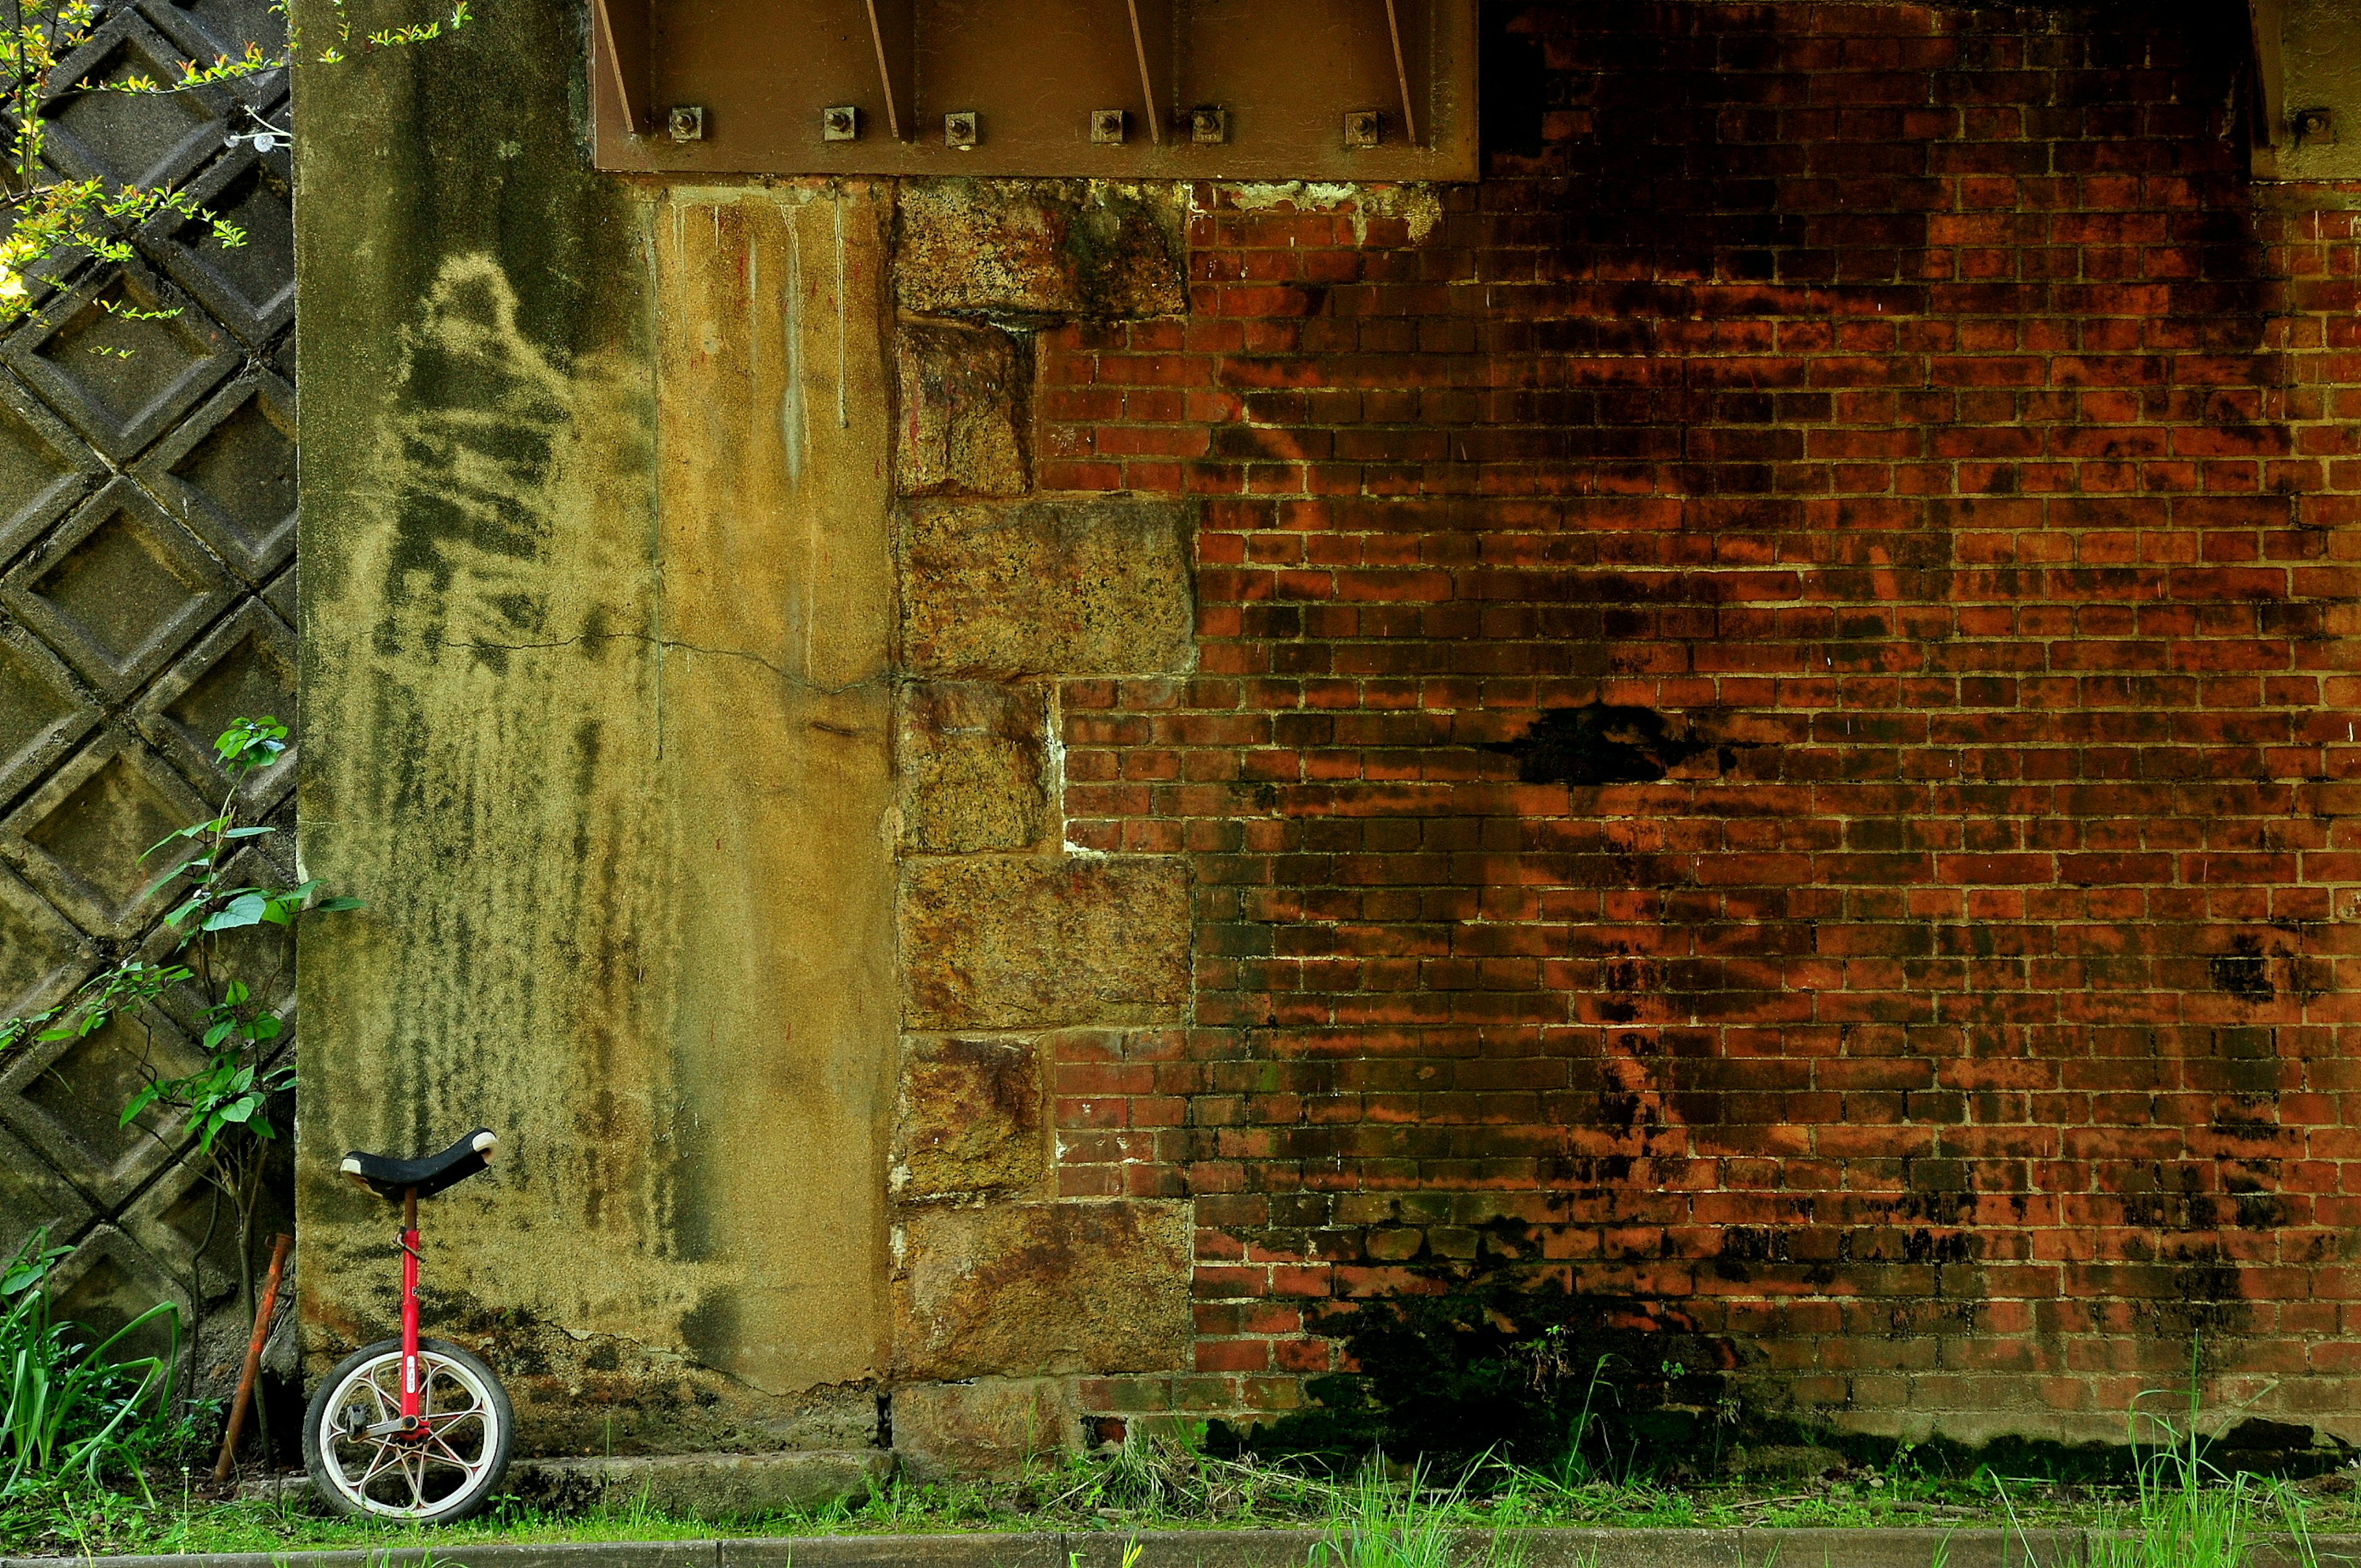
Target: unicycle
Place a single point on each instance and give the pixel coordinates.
(410, 1429)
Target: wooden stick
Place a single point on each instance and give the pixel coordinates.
(280, 1247)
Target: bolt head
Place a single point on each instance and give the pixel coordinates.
(1106, 127)
(962, 130)
(1363, 128)
(839, 123)
(686, 121)
(1210, 125)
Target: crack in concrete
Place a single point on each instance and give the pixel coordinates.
(667, 644)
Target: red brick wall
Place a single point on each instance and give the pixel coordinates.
(1917, 432)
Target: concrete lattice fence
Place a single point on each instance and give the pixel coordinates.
(148, 597)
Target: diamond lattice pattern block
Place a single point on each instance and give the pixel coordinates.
(42, 957)
(44, 468)
(119, 590)
(124, 356)
(250, 287)
(244, 668)
(66, 1099)
(110, 1281)
(131, 138)
(33, 1197)
(44, 711)
(79, 837)
(229, 474)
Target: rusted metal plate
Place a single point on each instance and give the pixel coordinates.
(1289, 85)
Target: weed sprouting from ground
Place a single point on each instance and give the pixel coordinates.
(1379, 1523)
(2185, 1511)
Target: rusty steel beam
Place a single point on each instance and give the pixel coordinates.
(1042, 89)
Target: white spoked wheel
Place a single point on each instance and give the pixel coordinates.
(361, 1463)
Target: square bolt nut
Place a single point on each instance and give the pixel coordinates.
(1362, 128)
(1210, 125)
(686, 121)
(962, 130)
(839, 123)
(1106, 127)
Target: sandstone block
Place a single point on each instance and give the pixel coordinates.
(968, 1116)
(1029, 942)
(986, 1428)
(963, 396)
(1067, 588)
(973, 754)
(1030, 1288)
(1040, 249)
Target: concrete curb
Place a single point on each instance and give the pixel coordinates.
(1865, 1547)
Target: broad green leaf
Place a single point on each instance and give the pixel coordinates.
(246, 909)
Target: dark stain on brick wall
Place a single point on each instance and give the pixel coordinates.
(1599, 743)
(2243, 971)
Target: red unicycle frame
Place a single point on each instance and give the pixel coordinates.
(410, 1429)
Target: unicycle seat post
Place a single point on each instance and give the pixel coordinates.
(411, 1404)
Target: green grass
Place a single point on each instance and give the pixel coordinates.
(2180, 1514)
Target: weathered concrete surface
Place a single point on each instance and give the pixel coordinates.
(965, 397)
(777, 607)
(970, 1117)
(1040, 249)
(1030, 942)
(1067, 588)
(703, 1486)
(990, 1427)
(972, 756)
(595, 662)
(1017, 1289)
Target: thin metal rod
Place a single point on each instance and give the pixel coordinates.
(627, 35)
(280, 1247)
(1402, 75)
(1146, 78)
(884, 70)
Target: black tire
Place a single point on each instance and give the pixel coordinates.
(439, 1489)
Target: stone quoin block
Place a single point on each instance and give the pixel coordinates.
(1072, 587)
(1043, 1288)
(968, 1116)
(1027, 942)
(963, 401)
(972, 755)
(990, 1427)
(1040, 249)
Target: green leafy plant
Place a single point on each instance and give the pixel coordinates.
(72, 1408)
(50, 221)
(226, 1100)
